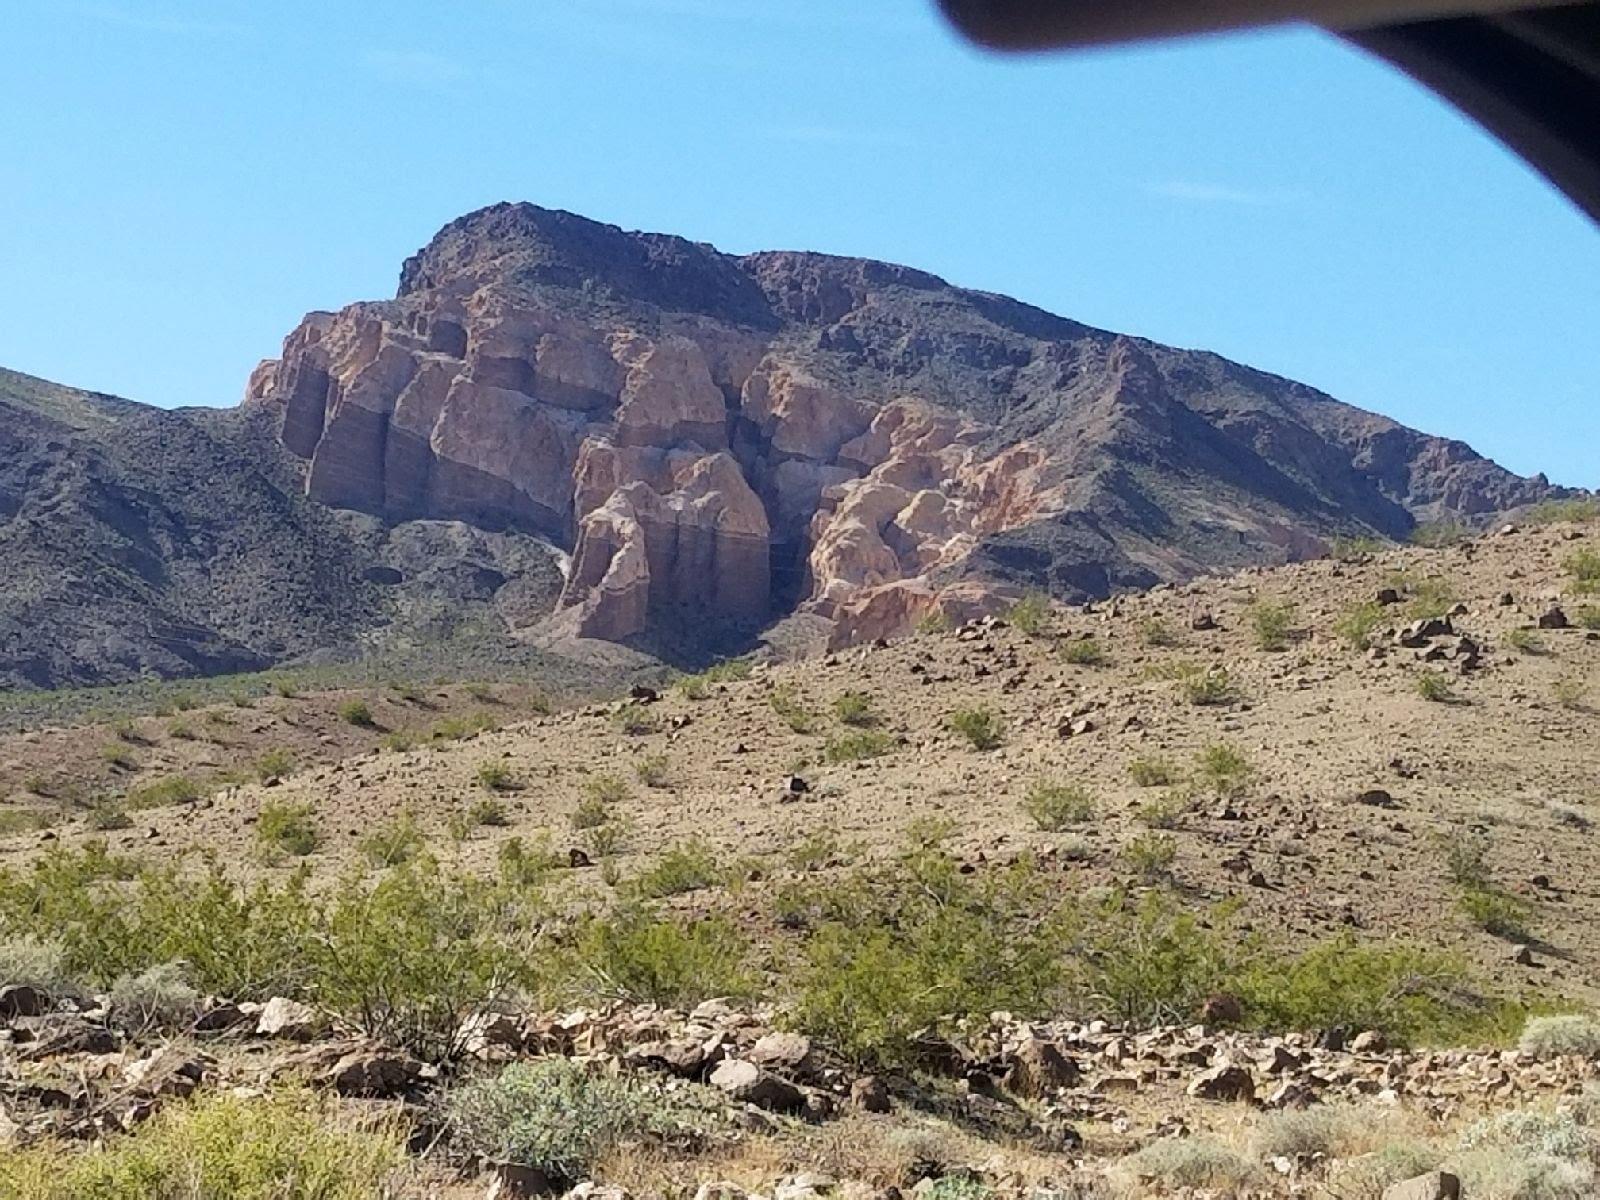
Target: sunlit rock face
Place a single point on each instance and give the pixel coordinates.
(720, 438)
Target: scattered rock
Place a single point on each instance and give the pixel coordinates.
(513, 1181)
(781, 1051)
(285, 1018)
(1554, 618)
(373, 1072)
(749, 1084)
(1223, 1082)
(1435, 1185)
(870, 1094)
(22, 1000)
(1039, 1068)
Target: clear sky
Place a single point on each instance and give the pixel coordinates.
(182, 179)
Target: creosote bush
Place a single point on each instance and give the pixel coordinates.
(635, 719)
(637, 954)
(1356, 626)
(1564, 1034)
(1152, 772)
(1151, 855)
(496, 776)
(357, 713)
(654, 771)
(1272, 624)
(1433, 686)
(855, 708)
(175, 789)
(1223, 770)
(858, 746)
(1584, 567)
(687, 867)
(787, 703)
(1054, 806)
(393, 843)
(274, 764)
(158, 997)
(288, 828)
(1085, 652)
(982, 727)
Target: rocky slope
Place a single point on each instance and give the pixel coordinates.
(140, 541)
(719, 437)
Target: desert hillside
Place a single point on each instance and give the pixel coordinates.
(1248, 885)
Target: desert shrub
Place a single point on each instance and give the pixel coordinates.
(934, 621)
(1223, 769)
(1347, 548)
(1569, 692)
(459, 729)
(640, 955)
(118, 757)
(393, 843)
(1085, 652)
(284, 687)
(591, 813)
(270, 1148)
(1548, 512)
(1537, 1153)
(606, 840)
(1152, 772)
(399, 740)
(409, 958)
(1313, 1133)
(1055, 806)
(522, 865)
(1211, 686)
(855, 708)
(1151, 855)
(1165, 811)
(729, 670)
(482, 692)
(558, 1116)
(857, 746)
(1152, 961)
(176, 789)
(1356, 625)
(274, 764)
(653, 770)
(357, 713)
(1433, 686)
(487, 811)
(24, 820)
(1031, 614)
(635, 719)
(982, 727)
(287, 829)
(1188, 1162)
(902, 950)
(814, 851)
(1525, 641)
(1587, 616)
(1429, 599)
(1437, 535)
(1497, 912)
(683, 868)
(786, 702)
(1272, 624)
(181, 731)
(1584, 567)
(495, 776)
(1564, 1034)
(38, 964)
(127, 731)
(1156, 632)
(158, 997)
(106, 815)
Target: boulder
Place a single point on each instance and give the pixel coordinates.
(374, 1072)
(285, 1018)
(749, 1084)
(1039, 1068)
(1435, 1185)
(1223, 1082)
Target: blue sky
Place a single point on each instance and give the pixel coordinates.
(181, 181)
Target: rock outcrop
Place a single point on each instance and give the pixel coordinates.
(723, 439)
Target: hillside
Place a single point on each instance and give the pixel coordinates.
(1161, 895)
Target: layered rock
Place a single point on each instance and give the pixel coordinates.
(719, 439)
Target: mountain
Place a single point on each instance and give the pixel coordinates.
(560, 428)
(726, 439)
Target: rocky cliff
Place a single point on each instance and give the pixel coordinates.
(720, 438)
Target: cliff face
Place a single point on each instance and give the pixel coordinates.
(719, 438)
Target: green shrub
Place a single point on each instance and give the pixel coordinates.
(1587, 616)
(1430, 599)
(1223, 769)
(181, 731)
(1433, 686)
(1548, 512)
(176, 789)
(393, 844)
(127, 731)
(1153, 962)
(488, 811)
(24, 820)
(729, 670)
(399, 740)
(934, 621)
(459, 729)
(1209, 687)
(222, 1144)
(635, 719)
(653, 770)
(982, 727)
(274, 764)
(1156, 632)
(814, 851)
(523, 866)
(158, 997)
(1162, 812)
(855, 708)
(107, 816)
(1152, 772)
(1358, 548)
(786, 702)
(357, 713)
(1584, 567)
(1085, 652)
(1272, 624)
(118, 757)
(1496, 912)
(683, 868)
(482, 693)
(854, 747)
(287, 829)
(641, 956)
(1357, 624)
(591, 813)
(496, 776)
(285, 688)
(1056, 806)
(1569, 692)
(1031, 614)
(559, 1117)
(1525, 641)
(1437, 535)
(1151, 855)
